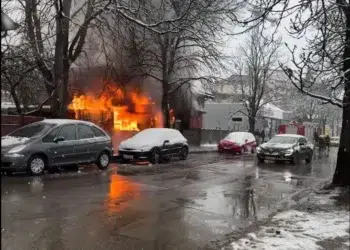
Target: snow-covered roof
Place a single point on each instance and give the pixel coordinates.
(65, 121)
(290, 135)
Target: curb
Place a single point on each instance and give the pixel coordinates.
(203, 151)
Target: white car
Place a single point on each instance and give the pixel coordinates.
(153, 144)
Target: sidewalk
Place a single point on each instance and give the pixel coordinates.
(205, 148)
(318, 221)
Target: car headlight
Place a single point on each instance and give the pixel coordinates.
(259, 149)
(289, 151)
(16, 149)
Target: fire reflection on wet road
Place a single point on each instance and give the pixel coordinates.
(121, 190)
(185, 206)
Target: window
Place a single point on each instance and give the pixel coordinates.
(98, 132)
(303, 140)
(237, 119)
(85, 132)
(68, 132)
(32, 130)
(49, 137)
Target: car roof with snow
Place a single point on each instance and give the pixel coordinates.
(65, 121)
(291, 135)
(159, 129)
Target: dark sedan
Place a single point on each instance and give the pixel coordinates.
(55, 142)
(153, 145)
(286, 147)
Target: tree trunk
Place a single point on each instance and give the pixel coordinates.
(251, 125)
(61, 67)
(341, 175)
(16, 101)
(165, 109)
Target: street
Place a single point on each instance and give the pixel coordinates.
(188, 205)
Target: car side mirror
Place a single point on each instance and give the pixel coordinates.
(166, 142)
(58, 139)
(246, 140)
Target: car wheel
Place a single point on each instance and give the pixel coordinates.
(183, 153)
(36, 165)
(252, 151)
(155, 156)
(103, 160)
(261, 160)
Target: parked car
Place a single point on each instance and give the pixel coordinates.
(238, 142)
(55, 142)
(154, 144)
(286, 147)
(335, 141)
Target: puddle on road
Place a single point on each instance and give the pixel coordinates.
(121, 190)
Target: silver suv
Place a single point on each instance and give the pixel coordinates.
(55, 142)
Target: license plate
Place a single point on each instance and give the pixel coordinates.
(226, 148)
(130, 157)
(269, 158)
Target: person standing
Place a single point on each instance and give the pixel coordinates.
(262, 135)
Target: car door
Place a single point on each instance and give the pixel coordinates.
(250, 142)
(178, 142)
(87, 144)
(50, 144)
(64, 152)
(167, 143)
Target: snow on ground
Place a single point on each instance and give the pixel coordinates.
(207, 145)
(295, 229)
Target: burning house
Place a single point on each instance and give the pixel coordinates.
(121, 108)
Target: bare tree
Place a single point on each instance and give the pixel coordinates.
(327, 58)
(327, 27)
(255, 66)
(20, 77)
(177, 52)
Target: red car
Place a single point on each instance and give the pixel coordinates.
(238, 142)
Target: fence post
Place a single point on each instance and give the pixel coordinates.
(21, 120)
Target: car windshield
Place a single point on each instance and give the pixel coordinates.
(32, 130)
(148, 135)
(236, 136)
(283, 140)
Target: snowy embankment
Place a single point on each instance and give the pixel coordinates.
(322, 225)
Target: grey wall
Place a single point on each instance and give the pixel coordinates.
(197, 137)
(219, 116)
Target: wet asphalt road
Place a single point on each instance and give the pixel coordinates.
(185, 207)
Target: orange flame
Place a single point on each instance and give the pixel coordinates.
(139, 112)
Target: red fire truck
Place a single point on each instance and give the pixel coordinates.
(306, 130)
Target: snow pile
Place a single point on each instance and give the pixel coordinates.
(298, 230)
(295, 229)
